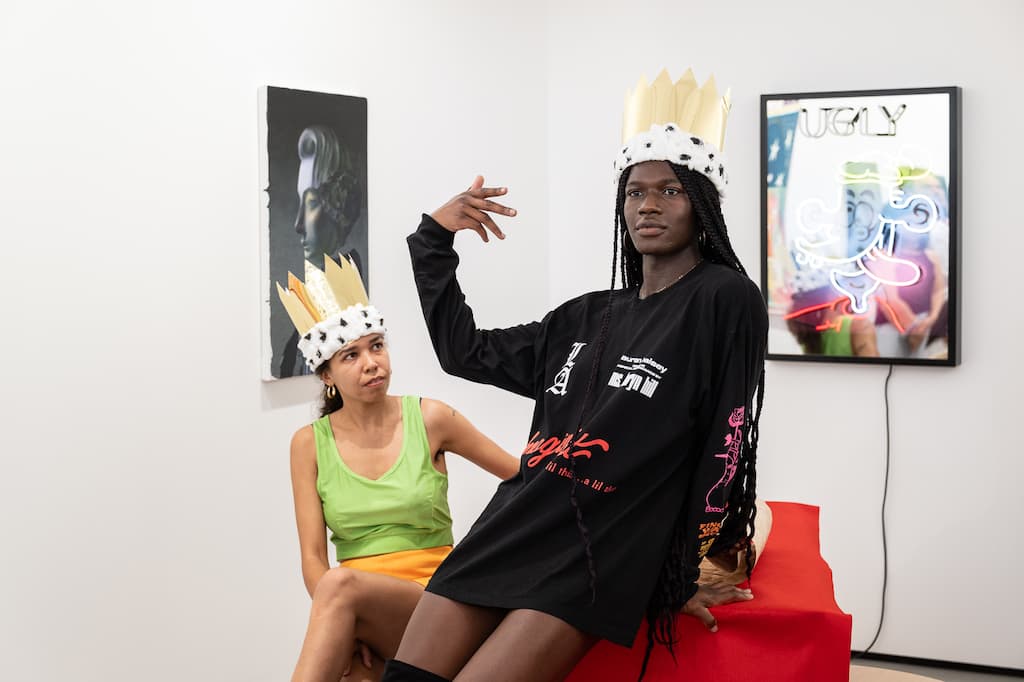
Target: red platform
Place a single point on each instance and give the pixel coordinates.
(792, 631)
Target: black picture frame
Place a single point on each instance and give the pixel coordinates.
(838, 283)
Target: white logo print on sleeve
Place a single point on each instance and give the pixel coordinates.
(562, 378)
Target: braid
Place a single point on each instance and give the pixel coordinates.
(594, 370)
(595, 367)
(669, 595)
(620, 242)
(630, 264)
(707, 208)
(738, 528)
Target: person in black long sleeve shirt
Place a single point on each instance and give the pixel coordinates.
(644, 397)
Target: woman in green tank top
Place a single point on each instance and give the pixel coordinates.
(371, 470)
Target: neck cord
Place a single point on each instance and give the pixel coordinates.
(658, 291)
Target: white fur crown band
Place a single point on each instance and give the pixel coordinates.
(667, 142)
(329, 336)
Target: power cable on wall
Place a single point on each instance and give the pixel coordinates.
(885, 497)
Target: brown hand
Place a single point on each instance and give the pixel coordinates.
(733, 558)
(366, 655)
(714, 594)
(362, 653)
(470, 210)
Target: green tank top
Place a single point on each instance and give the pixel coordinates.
(406, 508)
(838, 342)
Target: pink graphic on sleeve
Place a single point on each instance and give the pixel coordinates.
(717, 497)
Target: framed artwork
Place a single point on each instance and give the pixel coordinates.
(860, 218)
(313, 170)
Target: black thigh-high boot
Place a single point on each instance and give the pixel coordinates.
(397, 671)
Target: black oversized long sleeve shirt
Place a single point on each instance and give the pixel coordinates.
(661, 436)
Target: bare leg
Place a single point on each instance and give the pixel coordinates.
(349, 605)
(471, 643)
(443, 634)
(528, 645)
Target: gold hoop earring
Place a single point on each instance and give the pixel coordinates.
(331, 391)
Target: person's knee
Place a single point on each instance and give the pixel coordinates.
(338, 587)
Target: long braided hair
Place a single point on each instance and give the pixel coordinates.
(737, 531)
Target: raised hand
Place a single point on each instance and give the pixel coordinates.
(470, 210)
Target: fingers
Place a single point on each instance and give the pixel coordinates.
(367, 656)
(703, 615)
(473, 220)
(714, 595)
(470, 210)
(491, 206)
(697, 607)
(489, 192)
(477, 189)
(484, 220)
(478, 210)
(480, 231)
(476, 216)
(721, 593)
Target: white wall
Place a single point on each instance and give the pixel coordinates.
(145, 513)
(145, 510)
(956, 461)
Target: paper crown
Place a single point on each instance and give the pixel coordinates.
(680, 123)
(330, 309)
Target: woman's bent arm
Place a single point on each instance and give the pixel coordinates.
(452, 432)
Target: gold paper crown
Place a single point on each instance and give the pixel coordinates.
(699, 111)
(325, 293)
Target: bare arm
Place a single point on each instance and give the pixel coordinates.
(450, 431)
(918, 331)
(938, 286)
(309, 515)
(863, 337)
(895, 308)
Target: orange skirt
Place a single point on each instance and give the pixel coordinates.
(417, 565)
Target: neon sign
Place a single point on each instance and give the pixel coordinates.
(846, 121)
(867, 261)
